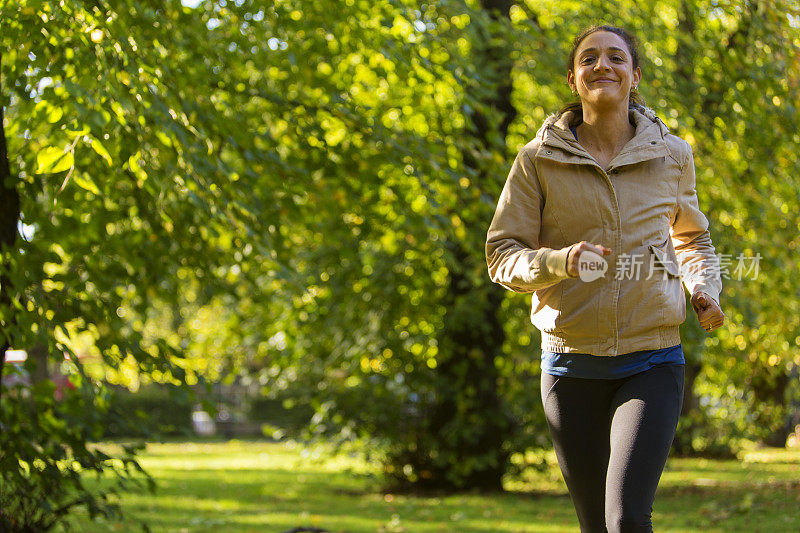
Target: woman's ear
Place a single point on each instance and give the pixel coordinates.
(571, 81)
(637, 76)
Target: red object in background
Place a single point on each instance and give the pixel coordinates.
(17, 359)
(62, 383)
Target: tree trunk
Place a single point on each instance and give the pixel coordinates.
(690, 400)
(686, 83)
(470, 412)
(9, 218)
(38, 354)
(770, 390)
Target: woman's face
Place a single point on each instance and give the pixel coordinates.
(603, 72)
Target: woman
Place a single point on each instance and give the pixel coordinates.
(599, 219)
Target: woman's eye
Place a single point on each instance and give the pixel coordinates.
(586, 60)
(618, 59)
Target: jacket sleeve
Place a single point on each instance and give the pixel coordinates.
(699, 265)
(515, 259)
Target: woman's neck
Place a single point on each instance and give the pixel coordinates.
(605, 130)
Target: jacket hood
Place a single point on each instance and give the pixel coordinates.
(642, 117)
(649, 141)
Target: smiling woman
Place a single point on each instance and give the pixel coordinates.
(604, 71)
(604, 180)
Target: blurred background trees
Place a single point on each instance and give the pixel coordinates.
(295, 195)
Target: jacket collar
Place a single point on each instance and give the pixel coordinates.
(648, 141)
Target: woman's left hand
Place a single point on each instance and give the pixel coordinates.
(708, 311)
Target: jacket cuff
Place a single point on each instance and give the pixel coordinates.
(709, 290)
(556, 263)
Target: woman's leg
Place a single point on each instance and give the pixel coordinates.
(577, 412)
(646, 408)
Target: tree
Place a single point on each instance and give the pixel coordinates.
(115, 155)
(318, 177)
(740, 93)
(396, 393)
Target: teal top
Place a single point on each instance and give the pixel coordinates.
(581, 365)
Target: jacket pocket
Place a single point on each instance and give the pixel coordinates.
(667, 276)
(661, 257)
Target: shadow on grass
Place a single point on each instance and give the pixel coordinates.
(277, 500)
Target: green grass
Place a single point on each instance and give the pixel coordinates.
(271, 487)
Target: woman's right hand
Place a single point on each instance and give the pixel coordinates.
(574, 255)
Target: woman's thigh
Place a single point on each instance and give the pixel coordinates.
(577, 412)
(645, 415)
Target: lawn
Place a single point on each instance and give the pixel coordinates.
(241, 486)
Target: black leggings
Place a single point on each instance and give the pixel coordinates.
(612, 438)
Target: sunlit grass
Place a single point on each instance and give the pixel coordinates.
(272, 487)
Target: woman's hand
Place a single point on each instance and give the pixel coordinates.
(708, 311)
(575, 253)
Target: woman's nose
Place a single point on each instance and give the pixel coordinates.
(601, 64)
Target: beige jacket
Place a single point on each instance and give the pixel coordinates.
(643, 207)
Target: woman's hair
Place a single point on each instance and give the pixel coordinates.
(636, 101)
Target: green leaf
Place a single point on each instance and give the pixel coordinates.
(85, 182)
(101, 150)
(52, 160)
(54, 115)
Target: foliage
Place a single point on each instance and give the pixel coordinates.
(297, 193)
(378, 256)
(48, 470)
(742, 100)
(115, 155)
(150, 412)
(283, 413)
